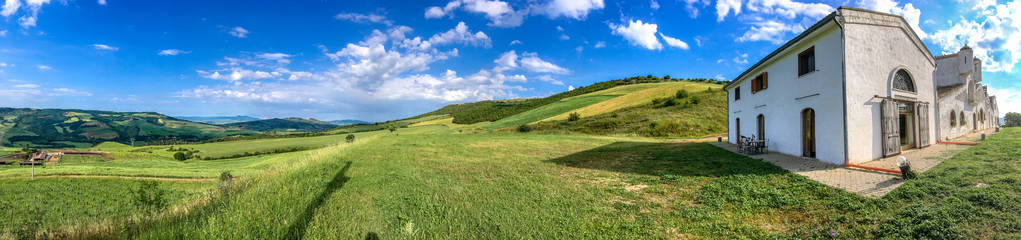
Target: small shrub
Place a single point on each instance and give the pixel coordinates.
(149, 197)
(681, 94)
(524, 128)
(613, 115)
(653, 125)
(225, 176)
(694, 100)
(350, 138)
(670, 102)
(574, 117)
(180, 156)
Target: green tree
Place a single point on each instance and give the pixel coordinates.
(350, 138)
(524, 128)
(1012, 119)
(573, 117)
(681, 94)
(180, 156)
(391, 127)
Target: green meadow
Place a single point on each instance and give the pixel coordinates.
(434, 183)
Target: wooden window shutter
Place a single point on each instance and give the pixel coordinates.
(891, 134)
(765, 80)
(923, 124)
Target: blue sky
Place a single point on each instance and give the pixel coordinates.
(381, 60)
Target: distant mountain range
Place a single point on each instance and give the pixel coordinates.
(219, 119)
(61, 128)
(284, 125)
(346, 122)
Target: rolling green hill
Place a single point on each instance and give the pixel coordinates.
(55, 128)
(219, 120)
(284, 125)
(701, 114)
(346, 122)
(488, 111)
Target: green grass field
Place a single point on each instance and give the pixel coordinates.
(432, 182)
(548, 110)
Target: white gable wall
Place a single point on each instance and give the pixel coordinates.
(787, 95)
(874, 52)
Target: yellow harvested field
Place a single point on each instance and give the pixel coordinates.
(449, 122)
(633, 95)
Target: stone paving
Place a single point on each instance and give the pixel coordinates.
(863, 182)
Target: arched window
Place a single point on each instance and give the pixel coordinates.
(902, 81)
(963, 121)
(953, 118)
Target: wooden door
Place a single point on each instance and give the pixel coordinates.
(737, 126)
(762, 127)
(808, 133)
(890, 130)
(923, 125)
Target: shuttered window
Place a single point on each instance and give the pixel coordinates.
(806, 61)
(760, 82)
(737, 93)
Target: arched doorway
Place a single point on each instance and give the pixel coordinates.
(808, 133)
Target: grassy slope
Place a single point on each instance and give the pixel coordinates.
(454, 186)
(686, 120)
(284, 125)
(634, 95)
(160, 163)
(548, 110)
(49, 203)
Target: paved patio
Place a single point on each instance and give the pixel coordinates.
(863, 182)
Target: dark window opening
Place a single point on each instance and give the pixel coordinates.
(760, 82)
(737, 93)
(806, 61)
(902, 81)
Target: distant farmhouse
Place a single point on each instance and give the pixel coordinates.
(857, 86)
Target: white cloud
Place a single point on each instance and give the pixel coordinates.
(104, 47)
(461, 34)
(994, 34)
(239, 32)
(502, 14)
(579, 49)
(600, 44)
(550, 79)
(29, 18)
(68, 92)
(673, 42)
(564, 37)
(724, 7)
(789, 9)
(570, 88)
(506, 61)
(3, 33)
(101, 2)
(720, 77)
(692, 9)
(1008, 100)
(364, 18)
(515, 42)
(278, 57)
(908, 11)
(576, 9)
(532, 63)
(437, 12)
(26, 85)
(654, 5)
(638, 34)
(10, 7)
(560, 29)
(43, 67)
(172, 52)
(771, 31)
(741, 59)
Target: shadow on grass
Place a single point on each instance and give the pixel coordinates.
(297, 230)
(663, 159)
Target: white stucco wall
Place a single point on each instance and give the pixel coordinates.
(876, 47)
(961, 71)
(788, 94)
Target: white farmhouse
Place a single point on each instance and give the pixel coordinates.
(856, 86)
(964, 104)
